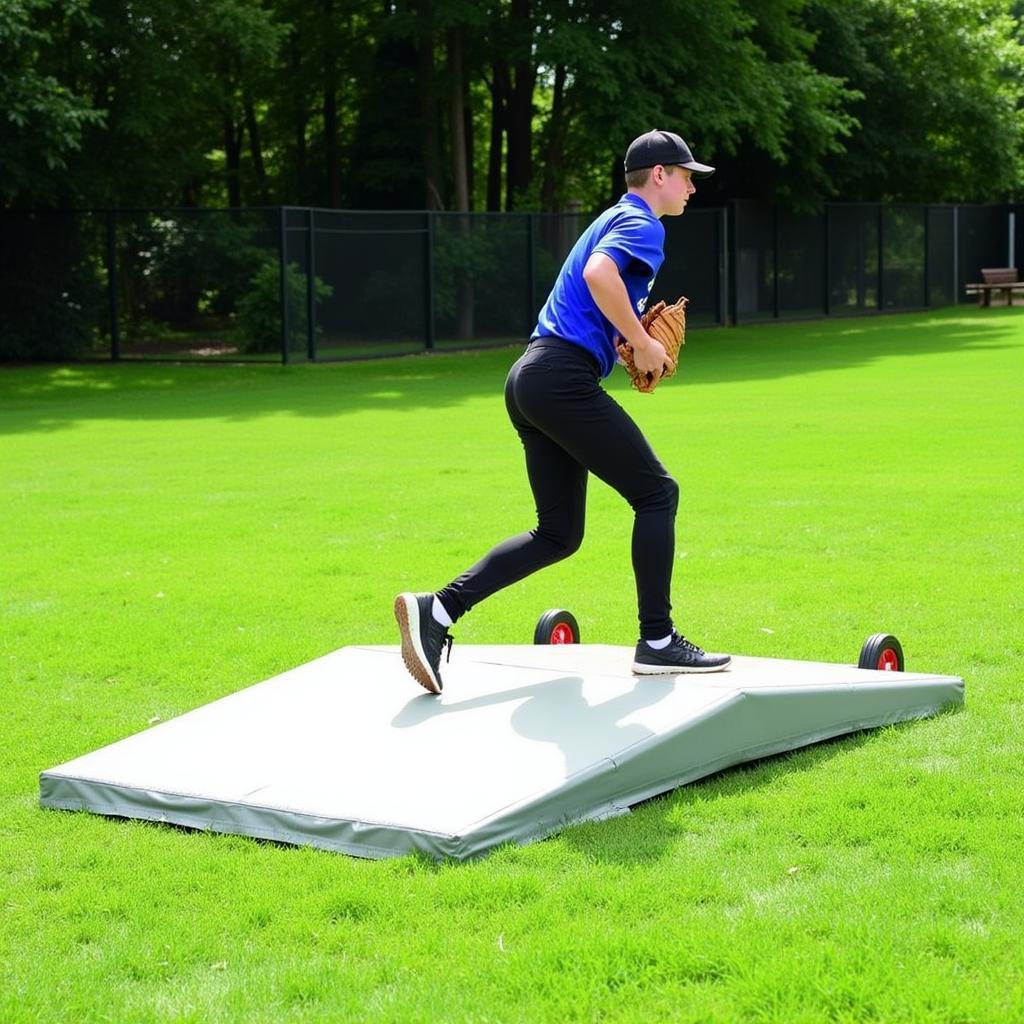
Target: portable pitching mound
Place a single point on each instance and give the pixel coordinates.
(347, 753)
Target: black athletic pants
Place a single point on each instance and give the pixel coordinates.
(569, 426)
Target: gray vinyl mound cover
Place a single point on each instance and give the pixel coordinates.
(348, 753)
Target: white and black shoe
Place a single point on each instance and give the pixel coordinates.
(679, 656)
(423, 639)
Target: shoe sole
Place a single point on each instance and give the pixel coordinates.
(412, 650)
(675, 670)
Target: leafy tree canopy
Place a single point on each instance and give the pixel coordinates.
(502, 104)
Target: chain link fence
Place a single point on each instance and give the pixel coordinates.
(297, 284)
(857, 258)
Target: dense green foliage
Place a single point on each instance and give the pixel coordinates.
(173, 534)
(501, 104)
(259, 310)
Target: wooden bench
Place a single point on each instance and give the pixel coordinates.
(1002, 279)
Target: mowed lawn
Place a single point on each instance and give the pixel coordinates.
(171, 534)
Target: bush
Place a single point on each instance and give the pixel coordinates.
(179, 265)
(259, 312)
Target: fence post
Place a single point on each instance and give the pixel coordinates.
(310, 287)
(927, 291)
(285, 331)
(775, 261)
(826, 296)
(115, 316)
(723, 267)
(881, 255)
(732, 258)
(428, 277)
(956, 255)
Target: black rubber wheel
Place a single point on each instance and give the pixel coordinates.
(557, 626)
(881, 651)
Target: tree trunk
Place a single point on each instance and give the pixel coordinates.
(256, 150)
(457, 120)
(554, 157)
(468, 134)
(332, 174)
(232, 155)
(299, 116)
(332, 156)
(430, 138)
(520, 110)
(499, 86)
(457, 124)
(190, 191)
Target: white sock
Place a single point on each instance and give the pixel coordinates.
(440, 615)
(658, 645)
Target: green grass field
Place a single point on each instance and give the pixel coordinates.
(175, 533)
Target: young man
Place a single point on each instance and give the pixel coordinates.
(570, 426)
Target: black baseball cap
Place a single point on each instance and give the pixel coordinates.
(666, 148)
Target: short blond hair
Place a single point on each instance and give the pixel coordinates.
(642, 175)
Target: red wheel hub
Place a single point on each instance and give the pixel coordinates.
(562, 634)
(887, 661)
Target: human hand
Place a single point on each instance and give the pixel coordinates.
(654, 343)
(650, 357)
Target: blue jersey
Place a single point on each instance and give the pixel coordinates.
(634, 238)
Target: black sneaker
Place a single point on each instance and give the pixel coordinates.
(679, 656)
(423, 639)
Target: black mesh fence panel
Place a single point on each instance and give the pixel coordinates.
(852, 258)
(1016, 212)
(983, 241)
(217, 284)
(693, 265)
(481, 274)
(554, 235)
(53, 285)
(903, 257)
(297, 258)
(941, 264)
(370, 282)
(754, 238)
(801, 248)
(198, 283)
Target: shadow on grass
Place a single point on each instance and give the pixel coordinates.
(48, 398)
(768, 351)
(645, 834)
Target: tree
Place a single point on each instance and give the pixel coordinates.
(726, 80)
(43, 119)
(238, 39)
(512, 104)
(386, 156)
(939, 89)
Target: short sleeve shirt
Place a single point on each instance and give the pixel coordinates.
(634, 238)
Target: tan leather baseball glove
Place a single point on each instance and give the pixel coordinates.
(666, 324)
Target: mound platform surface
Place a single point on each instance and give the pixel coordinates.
(348, 753)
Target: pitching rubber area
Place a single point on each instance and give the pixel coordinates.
(349, 754)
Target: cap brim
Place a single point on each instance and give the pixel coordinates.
(699, 170)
